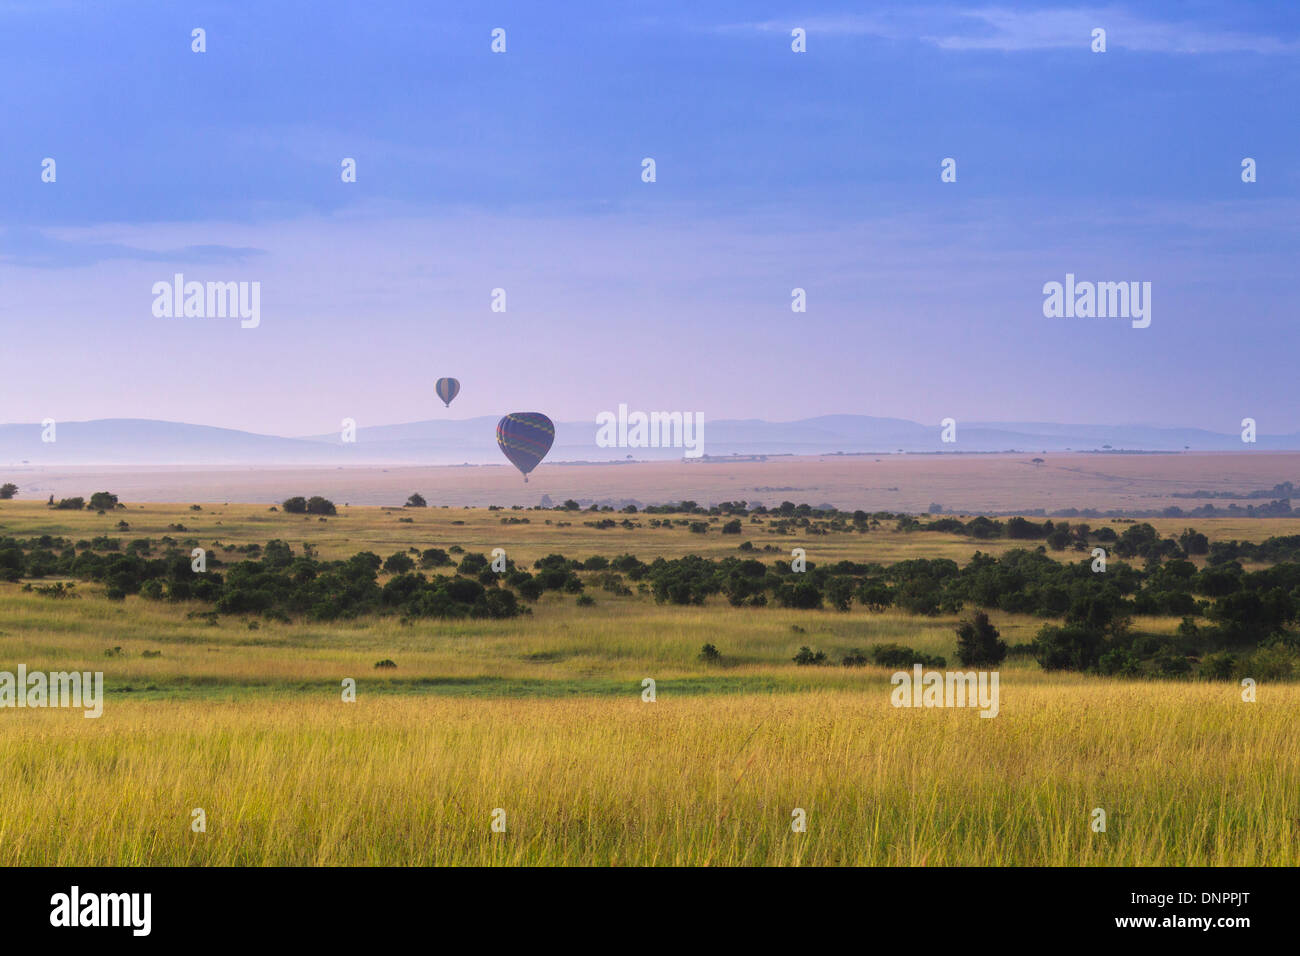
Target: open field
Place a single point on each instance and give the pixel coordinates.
(542, 717)
(1011, 482)
(1187, 776)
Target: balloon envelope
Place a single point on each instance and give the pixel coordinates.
(525, 438)
(447, 389)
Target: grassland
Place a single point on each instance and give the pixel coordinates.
(994, 482)
(542, 717)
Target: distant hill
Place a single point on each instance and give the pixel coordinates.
(126, 441)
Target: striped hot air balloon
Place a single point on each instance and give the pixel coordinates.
(525, 438)
(447, 389)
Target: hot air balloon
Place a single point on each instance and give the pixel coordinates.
(447, 389)
(525, 438)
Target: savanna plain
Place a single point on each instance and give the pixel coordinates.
(539, 721)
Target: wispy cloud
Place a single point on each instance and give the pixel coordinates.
(998, 28)
(44, 249)
(1007, 30)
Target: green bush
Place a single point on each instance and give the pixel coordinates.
(434, 558)
(1072, 647)
(807, 657)
(398, 563)
(978, 642)
(1218, 666)
(103, 501)
(897, 655)
(1169, 663)
(1118, 662)
(1274, 662)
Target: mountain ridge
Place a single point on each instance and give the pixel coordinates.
(137, 441)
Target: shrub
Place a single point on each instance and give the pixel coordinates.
(1276, 662)
(801, 596)
(978, 642)
(434, 558)
(1169, 663)
(384, 664)
(103, 501)
(1118, 662)
(709, 654)
(1217, 666)
(1073, 647)
(839, 591)
(1194, 542)
(295, 506)
(896, 655)
(586, 600)
(919, 595)
(398, 563)
(875, 595)
(8, 490)
(806, 657)
(416, 501)
(473, 564)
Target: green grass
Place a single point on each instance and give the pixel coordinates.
(543, 717)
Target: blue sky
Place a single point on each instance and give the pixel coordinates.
(774, 170)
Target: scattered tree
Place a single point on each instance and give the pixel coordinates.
(978, 642)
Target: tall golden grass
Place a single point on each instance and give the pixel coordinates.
(1187, 774)
(249, 725)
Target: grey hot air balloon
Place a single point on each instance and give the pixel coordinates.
(447, 389)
